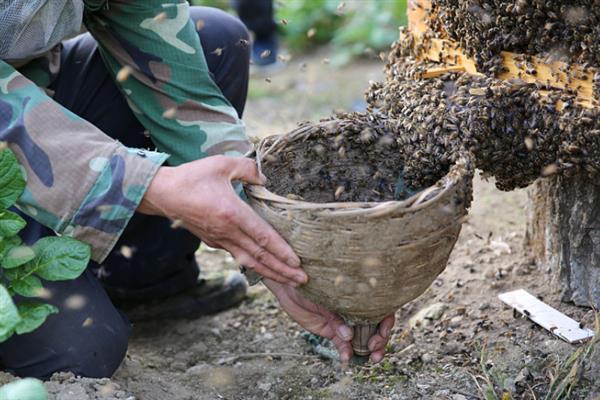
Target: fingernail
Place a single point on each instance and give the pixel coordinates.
(263, 178)
(301, 278)
(294, 262)
(344, 357)
(386, 332)
(344, 332)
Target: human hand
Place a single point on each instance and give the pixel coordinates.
(320, 321)
(200, 194)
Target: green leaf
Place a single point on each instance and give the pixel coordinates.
(12, 182)
(5, 337)
(7, 243)
(60, 258)
(10, 224)
(17, 256)
(30, 286)
(18, 272)
(33, 315)
(9, 316)
(24, 389)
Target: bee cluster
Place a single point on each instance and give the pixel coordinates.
(356, 160)
(554, 29)
(516, 132)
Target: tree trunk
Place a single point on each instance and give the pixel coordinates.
(563, 232)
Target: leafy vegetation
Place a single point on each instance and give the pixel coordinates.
(352, 27)
(23, 267)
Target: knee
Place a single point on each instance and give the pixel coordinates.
(93, 352)
(100, 355)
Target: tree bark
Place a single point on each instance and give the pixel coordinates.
(563, 233)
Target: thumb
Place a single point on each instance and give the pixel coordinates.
(245, 170)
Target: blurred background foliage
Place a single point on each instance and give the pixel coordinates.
(353, 28)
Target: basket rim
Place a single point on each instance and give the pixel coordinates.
(416, 202)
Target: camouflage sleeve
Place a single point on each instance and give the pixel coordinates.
(80, 182)
(154, 53)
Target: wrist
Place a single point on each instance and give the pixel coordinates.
(153, 201)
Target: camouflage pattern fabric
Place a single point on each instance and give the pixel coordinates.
(82, 183)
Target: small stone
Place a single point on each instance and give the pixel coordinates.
(452, 348)
(197, 369)
(199, 348)
(73, 391)
(521, 271)
(178, 366)
(455, 321)
(426, 358)
(265, 386)
(428, 314)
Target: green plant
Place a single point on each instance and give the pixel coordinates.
(569, 372)
(23, 267)
(490, 378)
(374, 25)
(307, 23)
(352, 26)
(564, 377)
(24, 389)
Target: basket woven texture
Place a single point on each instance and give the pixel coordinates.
(364, 259)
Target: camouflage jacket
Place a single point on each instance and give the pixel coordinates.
(82, 183)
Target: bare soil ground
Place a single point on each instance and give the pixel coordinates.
(257, 352)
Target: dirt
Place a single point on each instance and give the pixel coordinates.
(256, 352)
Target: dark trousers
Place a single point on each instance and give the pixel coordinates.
(91, 339)
(257, 15)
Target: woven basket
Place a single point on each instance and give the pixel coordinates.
(365, 260)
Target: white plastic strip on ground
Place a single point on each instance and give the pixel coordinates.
(547, 317)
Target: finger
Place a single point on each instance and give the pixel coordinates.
(267, 259)
(385, 326)
(245, 170)
(335, 325)
(342, 330)
(344, 349)
(248, 261)
(380, 339)
(266, 237)
(377, 342)
(377, 356)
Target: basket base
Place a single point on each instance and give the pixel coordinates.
(360, 340)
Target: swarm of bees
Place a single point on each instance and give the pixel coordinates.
(556, 29)
(354, 161)
(516, 132)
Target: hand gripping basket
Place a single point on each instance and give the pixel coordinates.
(364, 259)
